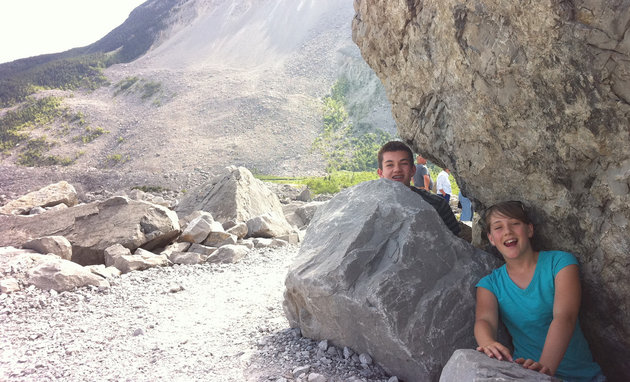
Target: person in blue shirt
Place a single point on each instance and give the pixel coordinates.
(537, 296)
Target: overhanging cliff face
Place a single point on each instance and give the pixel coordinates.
(527, 101)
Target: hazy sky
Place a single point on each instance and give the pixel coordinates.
(32, 27)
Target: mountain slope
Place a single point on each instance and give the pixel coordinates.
(223, 83)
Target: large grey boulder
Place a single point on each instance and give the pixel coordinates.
(63, 275)
(526, 101)
(52, 195)
(380, 273)
(467, 365)
(232, 195)
(93, 227)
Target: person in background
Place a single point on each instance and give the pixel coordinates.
(422, 178)
(444, 184)
(537, 296)
(395, 162)
(467, 211)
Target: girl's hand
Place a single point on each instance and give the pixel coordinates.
(533, 365)
(496, 350)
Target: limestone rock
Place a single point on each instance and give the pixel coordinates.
(380, 273)
(218, 239)
(467, 365)
(175, 247)
(63, 275)
(277, 243)
(121, 258)
(202, 249)
(249, 243)
(524, 101)
(232, 195)
(239, 229)
(268, 225)
(136, 194)
(36, 210)
(289, 192)
(193, 215)
(289, 213)
(261, 242)
(95, 226)
(196, 231)
(228, 254)
(52, 195)
(57, 245)
(187, 258)
(292, 237)
(103, 271)
(18, 260)
(307, 211)
(9, 285)
(305, 195)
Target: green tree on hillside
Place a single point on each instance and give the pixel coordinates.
(342, 146)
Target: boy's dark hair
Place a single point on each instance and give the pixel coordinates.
(393, 146)
(513, 209)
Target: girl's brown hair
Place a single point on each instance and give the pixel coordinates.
(512, 209)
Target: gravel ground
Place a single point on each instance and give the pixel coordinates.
(181, 323)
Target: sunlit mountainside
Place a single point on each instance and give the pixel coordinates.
(189, 86)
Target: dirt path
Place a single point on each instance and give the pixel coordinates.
(181, 323)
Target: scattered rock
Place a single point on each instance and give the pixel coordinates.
(57, 245)
(54, 194)
(121, 258)
(9, 285)
(268, 225)
(188, 258)
(218, 239)
(63, 275)
(202, 249)
(228, 254)
(93, 227)
(103, 271)
(197, 230)
(238, 229)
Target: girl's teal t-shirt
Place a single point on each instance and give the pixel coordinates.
(527, 314)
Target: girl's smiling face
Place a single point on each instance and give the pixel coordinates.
(510, 236)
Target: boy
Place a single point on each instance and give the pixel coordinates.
(395, 162)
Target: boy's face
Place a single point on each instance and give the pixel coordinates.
(397, 166)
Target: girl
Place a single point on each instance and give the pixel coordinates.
(537, 295)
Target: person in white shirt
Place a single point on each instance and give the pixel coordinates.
(444, 185)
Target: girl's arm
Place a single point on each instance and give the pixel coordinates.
(566, 306)
(486, 324)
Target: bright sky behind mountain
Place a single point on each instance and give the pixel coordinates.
(33, 27)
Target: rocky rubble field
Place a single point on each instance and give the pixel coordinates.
(206, 322)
